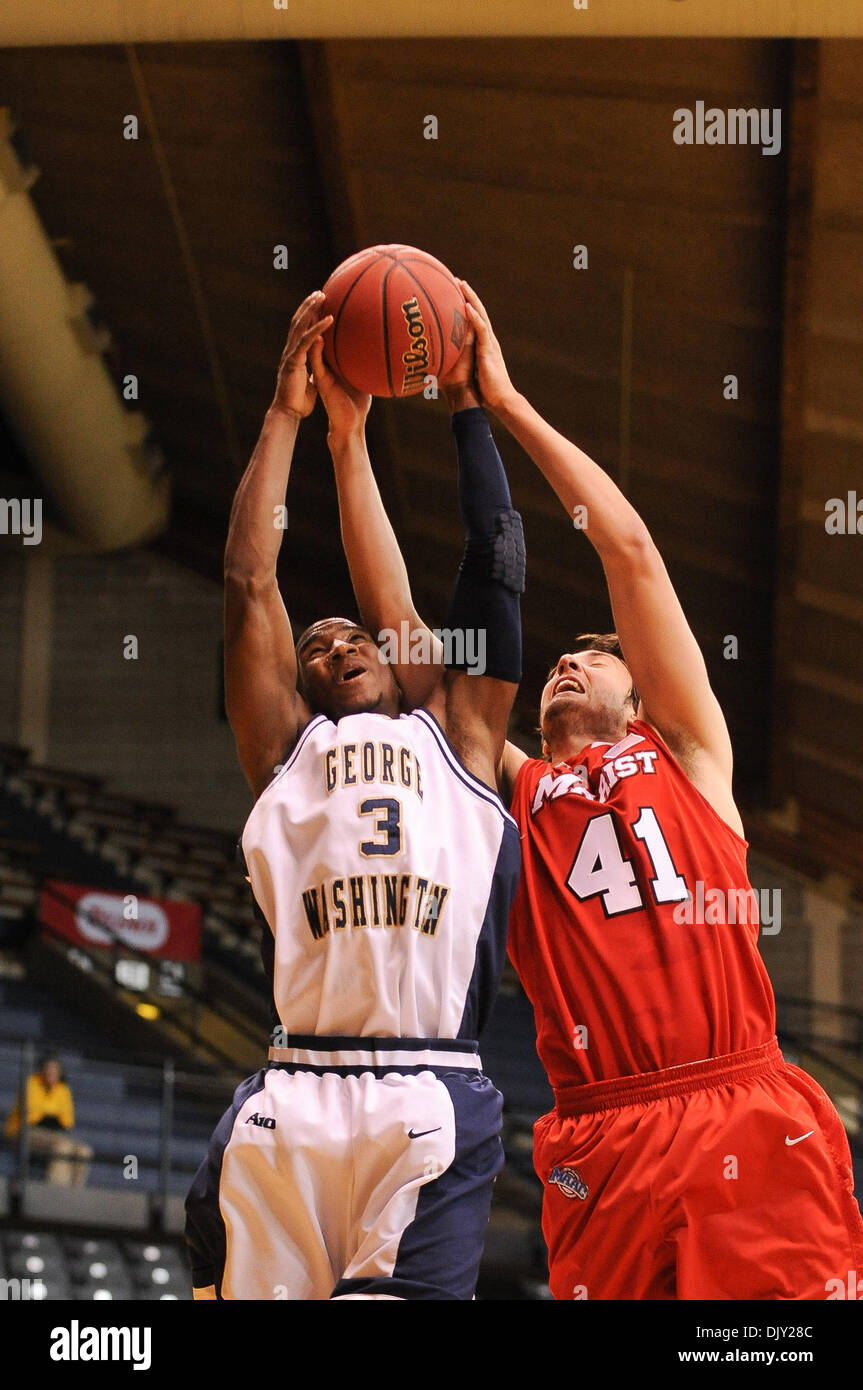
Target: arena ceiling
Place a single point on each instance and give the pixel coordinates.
(703, 263)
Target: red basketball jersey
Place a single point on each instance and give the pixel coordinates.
(634, 929)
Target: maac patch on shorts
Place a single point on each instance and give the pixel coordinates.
(569, 1181)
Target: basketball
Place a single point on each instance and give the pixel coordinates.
(398, 318)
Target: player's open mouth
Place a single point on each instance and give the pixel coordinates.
(352, 674)
(569, 683)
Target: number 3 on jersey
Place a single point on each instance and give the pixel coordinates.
(599, 868)
(388, 823)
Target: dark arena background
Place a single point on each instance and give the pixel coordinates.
(691, 314)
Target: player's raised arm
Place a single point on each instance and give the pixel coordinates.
(264, 708)
(483, 622)
(378, 573)
(661, 652)
(474, 696)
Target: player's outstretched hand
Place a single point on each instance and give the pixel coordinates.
(492, 376)
(346, 408)
(464, 372)
(295, 390)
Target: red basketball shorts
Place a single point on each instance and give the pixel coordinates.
(725, 1179)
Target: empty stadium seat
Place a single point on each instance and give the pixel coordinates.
(91, 1267)
(31, 1242)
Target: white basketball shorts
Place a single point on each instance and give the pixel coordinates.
(349, 1168)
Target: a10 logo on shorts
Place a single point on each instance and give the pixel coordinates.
(262, 1121)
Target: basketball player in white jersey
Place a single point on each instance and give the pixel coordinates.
(359, 1163)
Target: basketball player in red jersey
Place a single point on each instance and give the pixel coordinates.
(684, 1158)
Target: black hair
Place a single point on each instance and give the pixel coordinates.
(311, 631)
(50, 1057)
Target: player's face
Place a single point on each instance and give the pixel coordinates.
(586, 690)
(343, 673)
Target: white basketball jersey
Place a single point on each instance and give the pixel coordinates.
(386, 872)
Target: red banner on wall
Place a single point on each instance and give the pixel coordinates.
(99, 917)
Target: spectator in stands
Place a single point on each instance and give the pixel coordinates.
(51, 1119)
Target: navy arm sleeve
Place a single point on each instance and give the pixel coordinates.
(485, 604)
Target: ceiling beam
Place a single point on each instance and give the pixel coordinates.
(152, 21)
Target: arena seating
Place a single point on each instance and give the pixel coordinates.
(118, 1104)
(60, 824)
(89, 1266)
(118, 1114)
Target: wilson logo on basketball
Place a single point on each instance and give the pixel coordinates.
(416, 359)
(99, 918)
